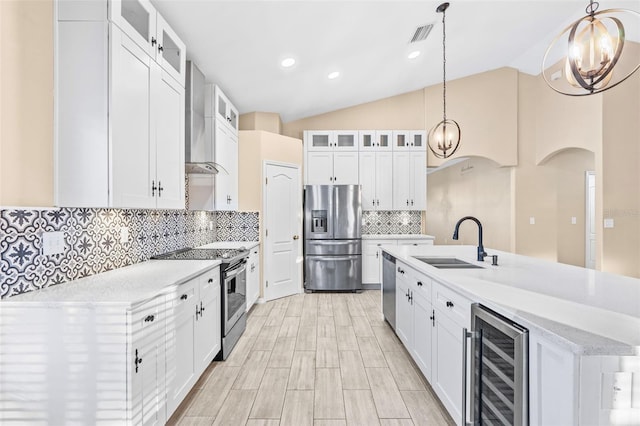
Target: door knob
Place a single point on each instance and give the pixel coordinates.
(295, 237)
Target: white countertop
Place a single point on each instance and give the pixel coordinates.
(231, 245)
(397, 237)
(128, 286)
(588, 311)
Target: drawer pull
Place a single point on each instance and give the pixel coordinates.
(149, 318)
(449, 304)
(183, 297)
(210, 280)
(419, 283)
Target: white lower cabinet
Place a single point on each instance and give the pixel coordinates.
(146, 372)
(193, 335)
(429, 322)
(107, 363)
(371, 257)
(253, 277)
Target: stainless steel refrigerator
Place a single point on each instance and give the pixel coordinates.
(332, 237)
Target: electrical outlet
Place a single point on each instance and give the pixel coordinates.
(124, 235)
(574, 220)
(52, 243)
(532, 220)
(608, 222)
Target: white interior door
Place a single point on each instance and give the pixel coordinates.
(590, 240)
(283, 230)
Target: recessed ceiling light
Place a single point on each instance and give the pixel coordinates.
(288, 62)
(414, 54)
(333, 75)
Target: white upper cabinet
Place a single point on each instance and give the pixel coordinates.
(375, 140)
(332, 140)
(120, 111)
(139, 20)
(376, 178)
(409, 180)
(224, 109)
(409, 140)
(226, 155)
(171, 51)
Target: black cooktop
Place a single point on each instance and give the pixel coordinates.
(226, 255)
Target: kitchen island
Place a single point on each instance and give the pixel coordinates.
(584, 329)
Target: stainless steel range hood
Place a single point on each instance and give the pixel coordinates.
(199, 152)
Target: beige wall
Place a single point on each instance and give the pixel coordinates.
(485, 106)
(267, 121)
(621, 178)
(476, 187)
(255, 147)
(402, 112)
(26, 103)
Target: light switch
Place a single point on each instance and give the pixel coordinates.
(608, 222)
(52, 243)
(574, 220)
(124, 235)
(532, 220)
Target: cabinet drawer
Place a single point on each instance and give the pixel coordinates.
(416, 281)
(451, 304)
(184, 296)
(147, 316)
(209, 279)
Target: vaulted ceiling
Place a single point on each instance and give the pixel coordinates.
(240, 45)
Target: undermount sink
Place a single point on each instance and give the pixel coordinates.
(447, 263)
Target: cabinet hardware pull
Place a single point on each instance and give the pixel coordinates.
(137, 361)
(449, 304)
(153, 188)
(197, 312)
(183, 297)
(335, 178)
(411, 202)
(160, 189)
(407, 202)
(411, 297)
(201, 308)
(419, 283)
(377, 255)
(210, 280)
(330, 179)
(153, 41)
(378, 202)
(433, 318)
(228, 199)
(160, 48)
(149, 318)
(373, 202)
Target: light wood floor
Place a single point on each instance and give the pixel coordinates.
(314, 359)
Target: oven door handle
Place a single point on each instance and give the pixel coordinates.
(475, 336)
(236, 271)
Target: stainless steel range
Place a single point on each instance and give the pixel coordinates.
(233, 281)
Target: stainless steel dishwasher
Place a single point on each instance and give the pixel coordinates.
(389, 288)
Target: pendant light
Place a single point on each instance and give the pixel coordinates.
(592, 53)
(444, 138)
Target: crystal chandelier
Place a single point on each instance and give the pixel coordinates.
(591, 48)
(444, 138)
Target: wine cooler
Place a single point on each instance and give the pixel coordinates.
(499, 370)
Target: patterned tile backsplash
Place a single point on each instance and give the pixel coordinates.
(238, 226)
(391, 222)
(92, 240)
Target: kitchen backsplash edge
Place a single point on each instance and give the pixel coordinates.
(92, 240)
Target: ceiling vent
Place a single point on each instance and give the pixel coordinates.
(422, 32)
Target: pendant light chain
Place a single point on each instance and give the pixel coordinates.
(444, 66)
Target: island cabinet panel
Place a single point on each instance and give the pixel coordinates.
(552, 384)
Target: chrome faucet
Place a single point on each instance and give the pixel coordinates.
(481, 253)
